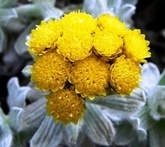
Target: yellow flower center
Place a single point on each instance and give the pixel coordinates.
(78, 21)
(135, 46)
(112, 24)
(75, 46)
(44, 37)
(65, 106)
(88, 81)
(50, 71)
(124, 75)
(107, 44)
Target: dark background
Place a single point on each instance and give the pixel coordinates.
(149, 17)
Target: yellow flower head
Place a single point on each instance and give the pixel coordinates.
(124, 75)
(90, 77)
(113, 24)
(107, 43)
(75, 42)
(65, 106)
(78, 21)
(50, 71)
(75, 46)
(44, 37)
(135, 46)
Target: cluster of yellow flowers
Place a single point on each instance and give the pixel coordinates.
(80, 57)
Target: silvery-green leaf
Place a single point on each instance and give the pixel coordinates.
(144, 118)
(126, 11)
(72, 132)
(9, 17)
(7, 14)
(14, 117)
(84, 141)
(114, 5)
(34, 95)
(128, 131)
(95, 7)
(162, 78)
(48, 11)
(5, 131)
(157, 135)
(2, 39)
(150, 75)
(98, 126)
(128, 103)
(156, 103)
(32, 117)
(7, 3)
(19, 45)
(27, 11)
(52, 2)
(16, 94)
(27, 70)
(48, 134)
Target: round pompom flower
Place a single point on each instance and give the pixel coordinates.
(107, 43)
(90, 76)
(75, 46)
(44, 37)
(113, 24)
(78, 21)
(135, 46)
(65, 106)
(124, 75)
(50, 71)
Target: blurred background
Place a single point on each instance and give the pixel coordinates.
(149, 17)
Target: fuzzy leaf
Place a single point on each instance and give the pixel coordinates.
(34, 95)
(16, 94)
(72, 133)
(7, 14)
(98, 126)
(128, 131)
(48, 11)
(128, 103)
(5, 131)
(32, 116)
(156, 103)
(26, 70)
(48, 134)
(52, 2)
(19, 45)
(126, 12)
(14, 118)
(95, 7)
(7, 3)
(162, 78)
(150, 75)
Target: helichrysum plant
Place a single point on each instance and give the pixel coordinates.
(79, 57)
(90, 80)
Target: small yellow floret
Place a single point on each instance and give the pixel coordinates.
(44, 37)
(90, 77)
(78, 21)
(107, 43)
(125, 75)
(65, 106)
(50, 71)
(75, 46)
(135, 46)
(113, 24)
